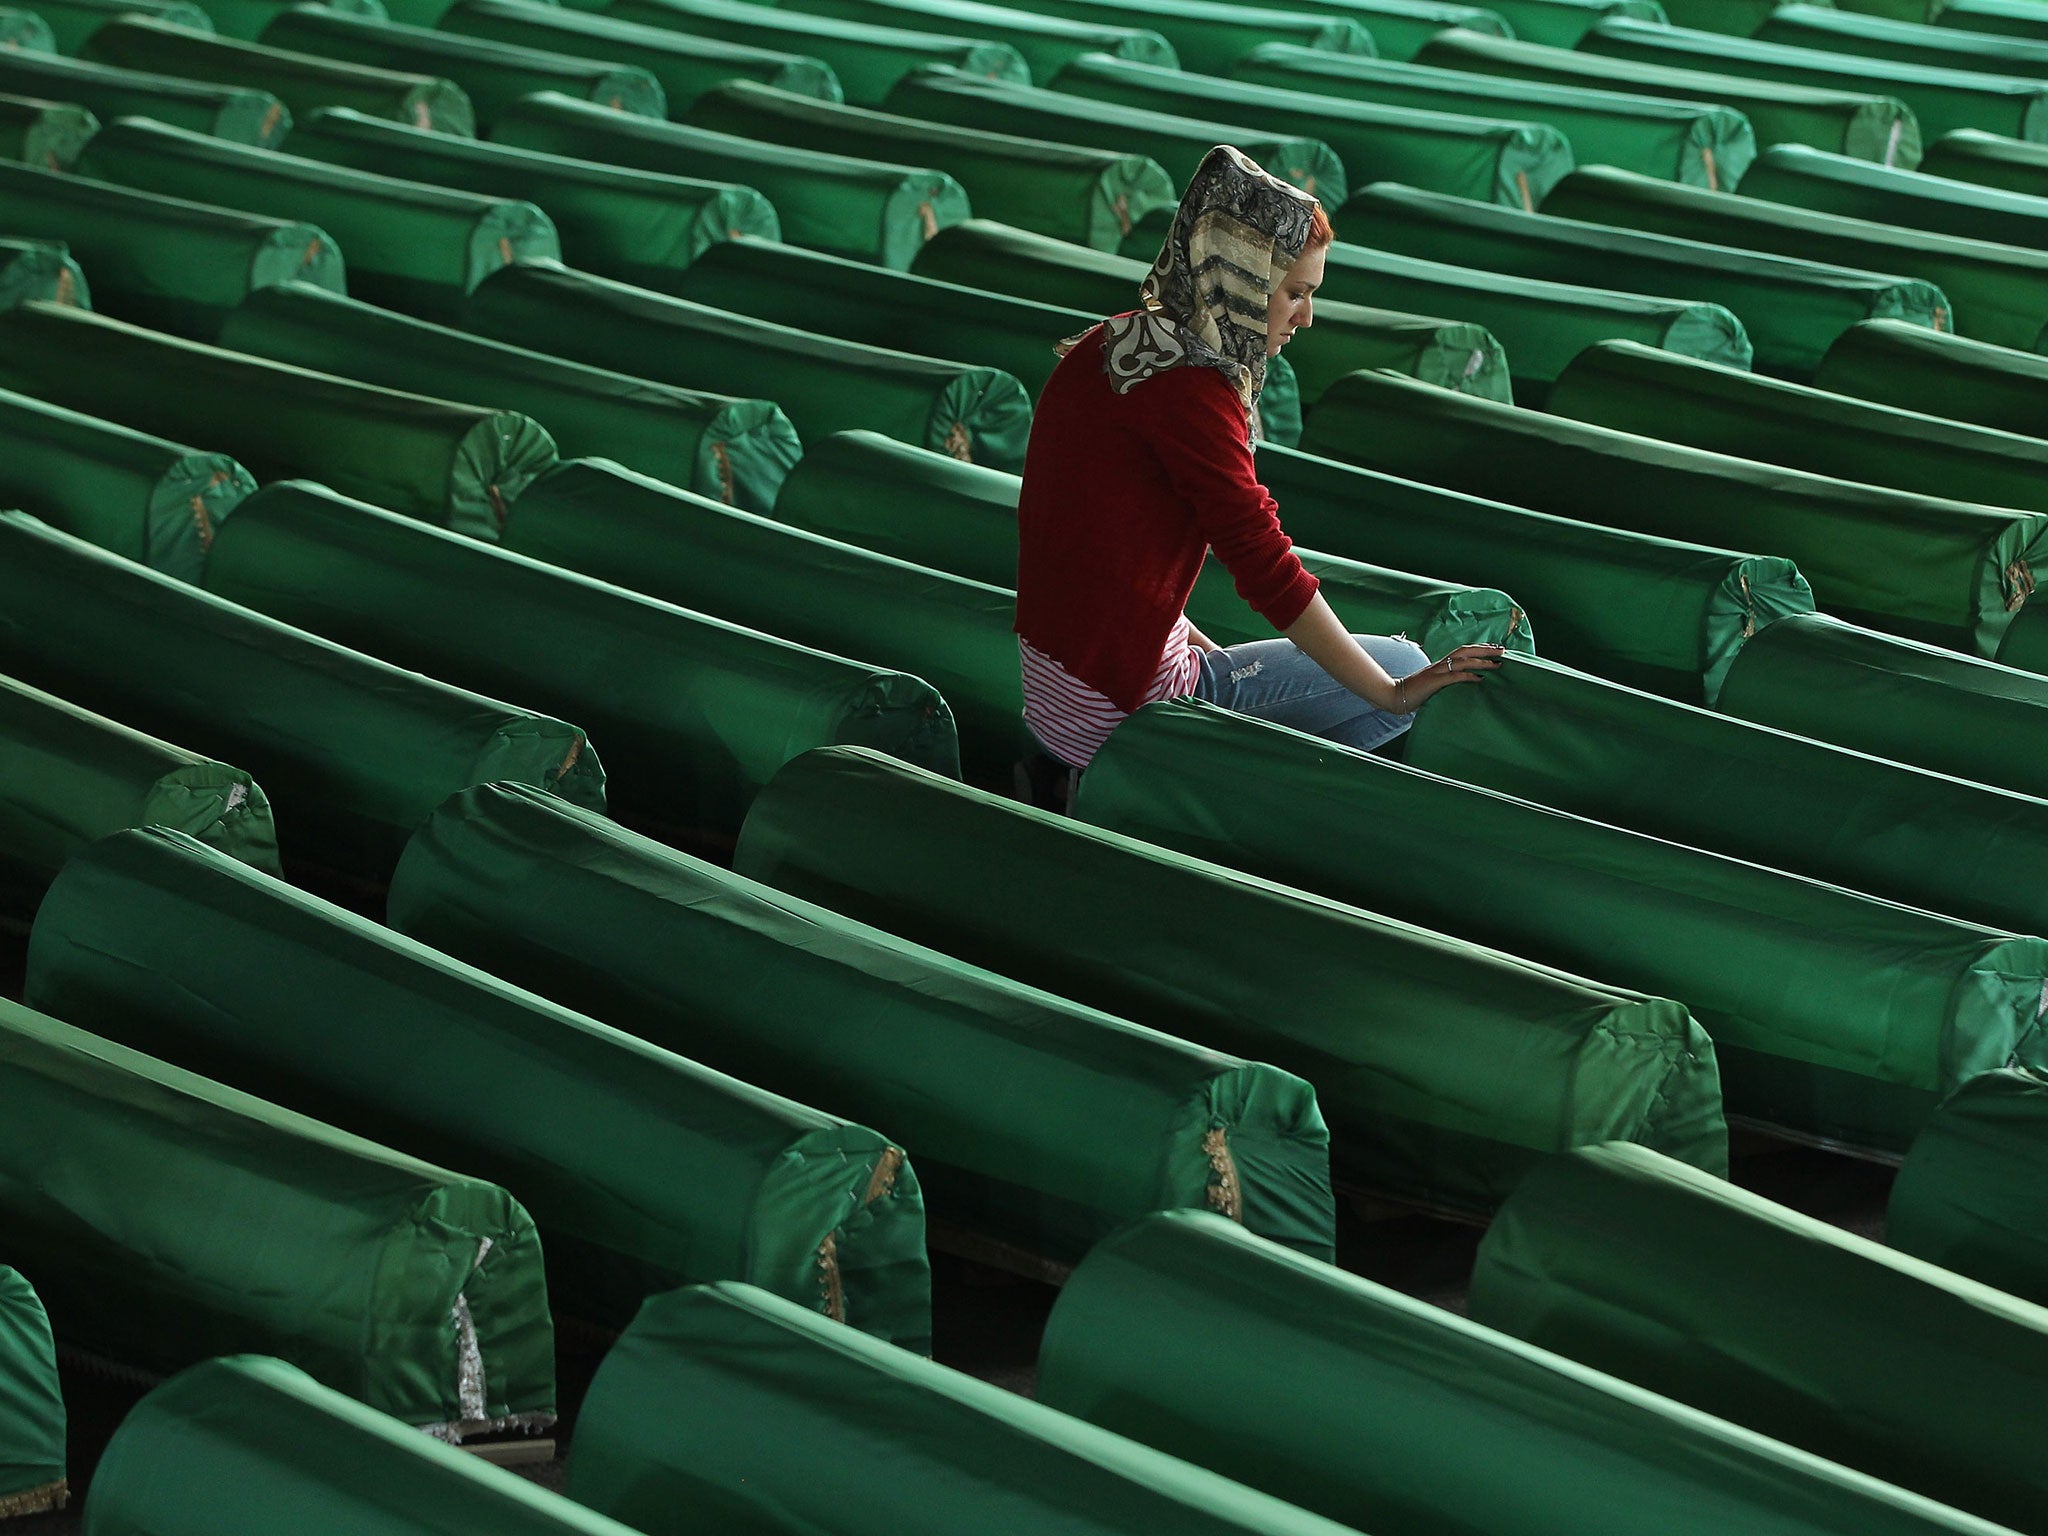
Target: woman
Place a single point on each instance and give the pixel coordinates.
(1140, 463)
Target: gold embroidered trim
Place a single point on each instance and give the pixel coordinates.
(2020, 578)
(1226, 1195)
(1522, 186)
(1516, 619)
(883, 1180)
(958, 444)
(498, 512)
(1748, 606)
(575, 751)
(35, 1501)
(1123, 213)
(929, 218)
(832, 1289)
(725, 480)
(270, 121)
(1713, 171)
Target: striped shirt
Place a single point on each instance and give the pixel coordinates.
(1071, 720)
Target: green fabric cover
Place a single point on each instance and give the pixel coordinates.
(2026, 641)
(647, 1170)
(1939, 98)
(1443, 1081)
(409, 246)
(230, 112)
(1990, 160)
(356, 752)
(152, 501)
(1397, 28)
(1494, 158)
(31, 1404)
(1561, 23)
(735, 451)
(1833, 1014)
(493, 74)
(1047, 43)
(456, 465)
(1177, 142)
(249, 1446)
(1092, 196)
(826, 385)
(1792, 309)
(1684, 1284)
(638, 226)
(1969, 1196)
(868, 59)
(1596, 749)
(301, 81)
(44, 133)
(2008, 18)
(1437, 615)
(1861, 122)
(162, 261)
(1897, 699)
(1651, 393)
(858, 301)
(1693, 142)
(1738, 18)
(1999, 293)
(685, 66)
(1940, 375)
(725, 1408)
(1840, 32)
(247, 18)
(39, 270)
(168, 1217)
(71, 22)
(1038, 1123)
(1395, 1416)
(1209, 36)
(22, 30)
(868, 210)
(74, 776)
(694, 713)
(1950, 571)
(1800, 177)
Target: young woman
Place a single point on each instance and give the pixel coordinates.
(1140, 464)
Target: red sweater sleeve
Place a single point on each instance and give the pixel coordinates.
(1198, 425)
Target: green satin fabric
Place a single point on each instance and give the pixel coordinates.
(1210, 35)
(1350, 1399)
(1636, 1265)
(1047, 43)
(46, 134)
(1990, 160)
(645, 1169)
(71, 22)
(1970, 1194)
(1839, 32)
(1938, 375)
(2006, 18)
(366, 1252)
(232, 112)
(355, 753)
(246, 19)
(32, 1423)
(2025, 645)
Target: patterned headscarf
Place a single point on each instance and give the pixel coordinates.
(1236, 233)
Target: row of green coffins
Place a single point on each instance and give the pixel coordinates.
(32, 1424)
(240, 113)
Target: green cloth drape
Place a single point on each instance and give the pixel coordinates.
(1969, 1194)
(1989, 160)
(1047, 43)
(1210, 35)
(2025, 645)
(1800, 177)
(1842, 32)
(247, 18)
(71, 22)
(1940, 375)
(32, 1420)
(240, 113)
(44, 133)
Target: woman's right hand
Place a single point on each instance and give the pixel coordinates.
(1467, 664)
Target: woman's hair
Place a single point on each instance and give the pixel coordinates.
(1319, 232)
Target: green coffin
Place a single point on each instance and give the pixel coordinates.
(1352, 1400)
(1047, 43)
(1593, 748)
(302, 81)
(1177, 142)
(1893, 698)
(1940, 98)
(1562, 23)
(648, 1170)
(168, 1217)
(616, 526)
(31, 1404)
(71, 22)
(1692, 142)
(1409, 1071)
(638, 226)
(43, 133)
(1211, 35)
(1039, 1123)
(355, 751)
(1640, 1266)
(858, 301)
(725, 1408)
(1812, 179)
(869, 210)
(1989, 160)
(247, 18)
(249, 1446)
(1939, 375)
(868, 59)
(685, 66)
(40, 271)
(735, 451)
(162, 261)
(493, 74)
(1841, 32)
(2007, 18)
(1651, 393)
(1437, 615)
(229, 112)
(1861, 122)
(74, 776)
(141, 497)
(1834, 1015)
(1792, 309)
(1738, 18)
(826, 385)
(694, 713)
(1344, 338)
(1494, 158)
(2025, 645)
(1092, 196)
(1950, 571)
(455, 465)
(410, 246)
(1969, 1195)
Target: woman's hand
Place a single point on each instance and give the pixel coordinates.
(1467, 664)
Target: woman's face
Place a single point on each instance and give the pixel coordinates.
(1289, 308)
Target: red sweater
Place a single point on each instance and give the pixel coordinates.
(1122, 496)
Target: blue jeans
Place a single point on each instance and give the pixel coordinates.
(1275, 680)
